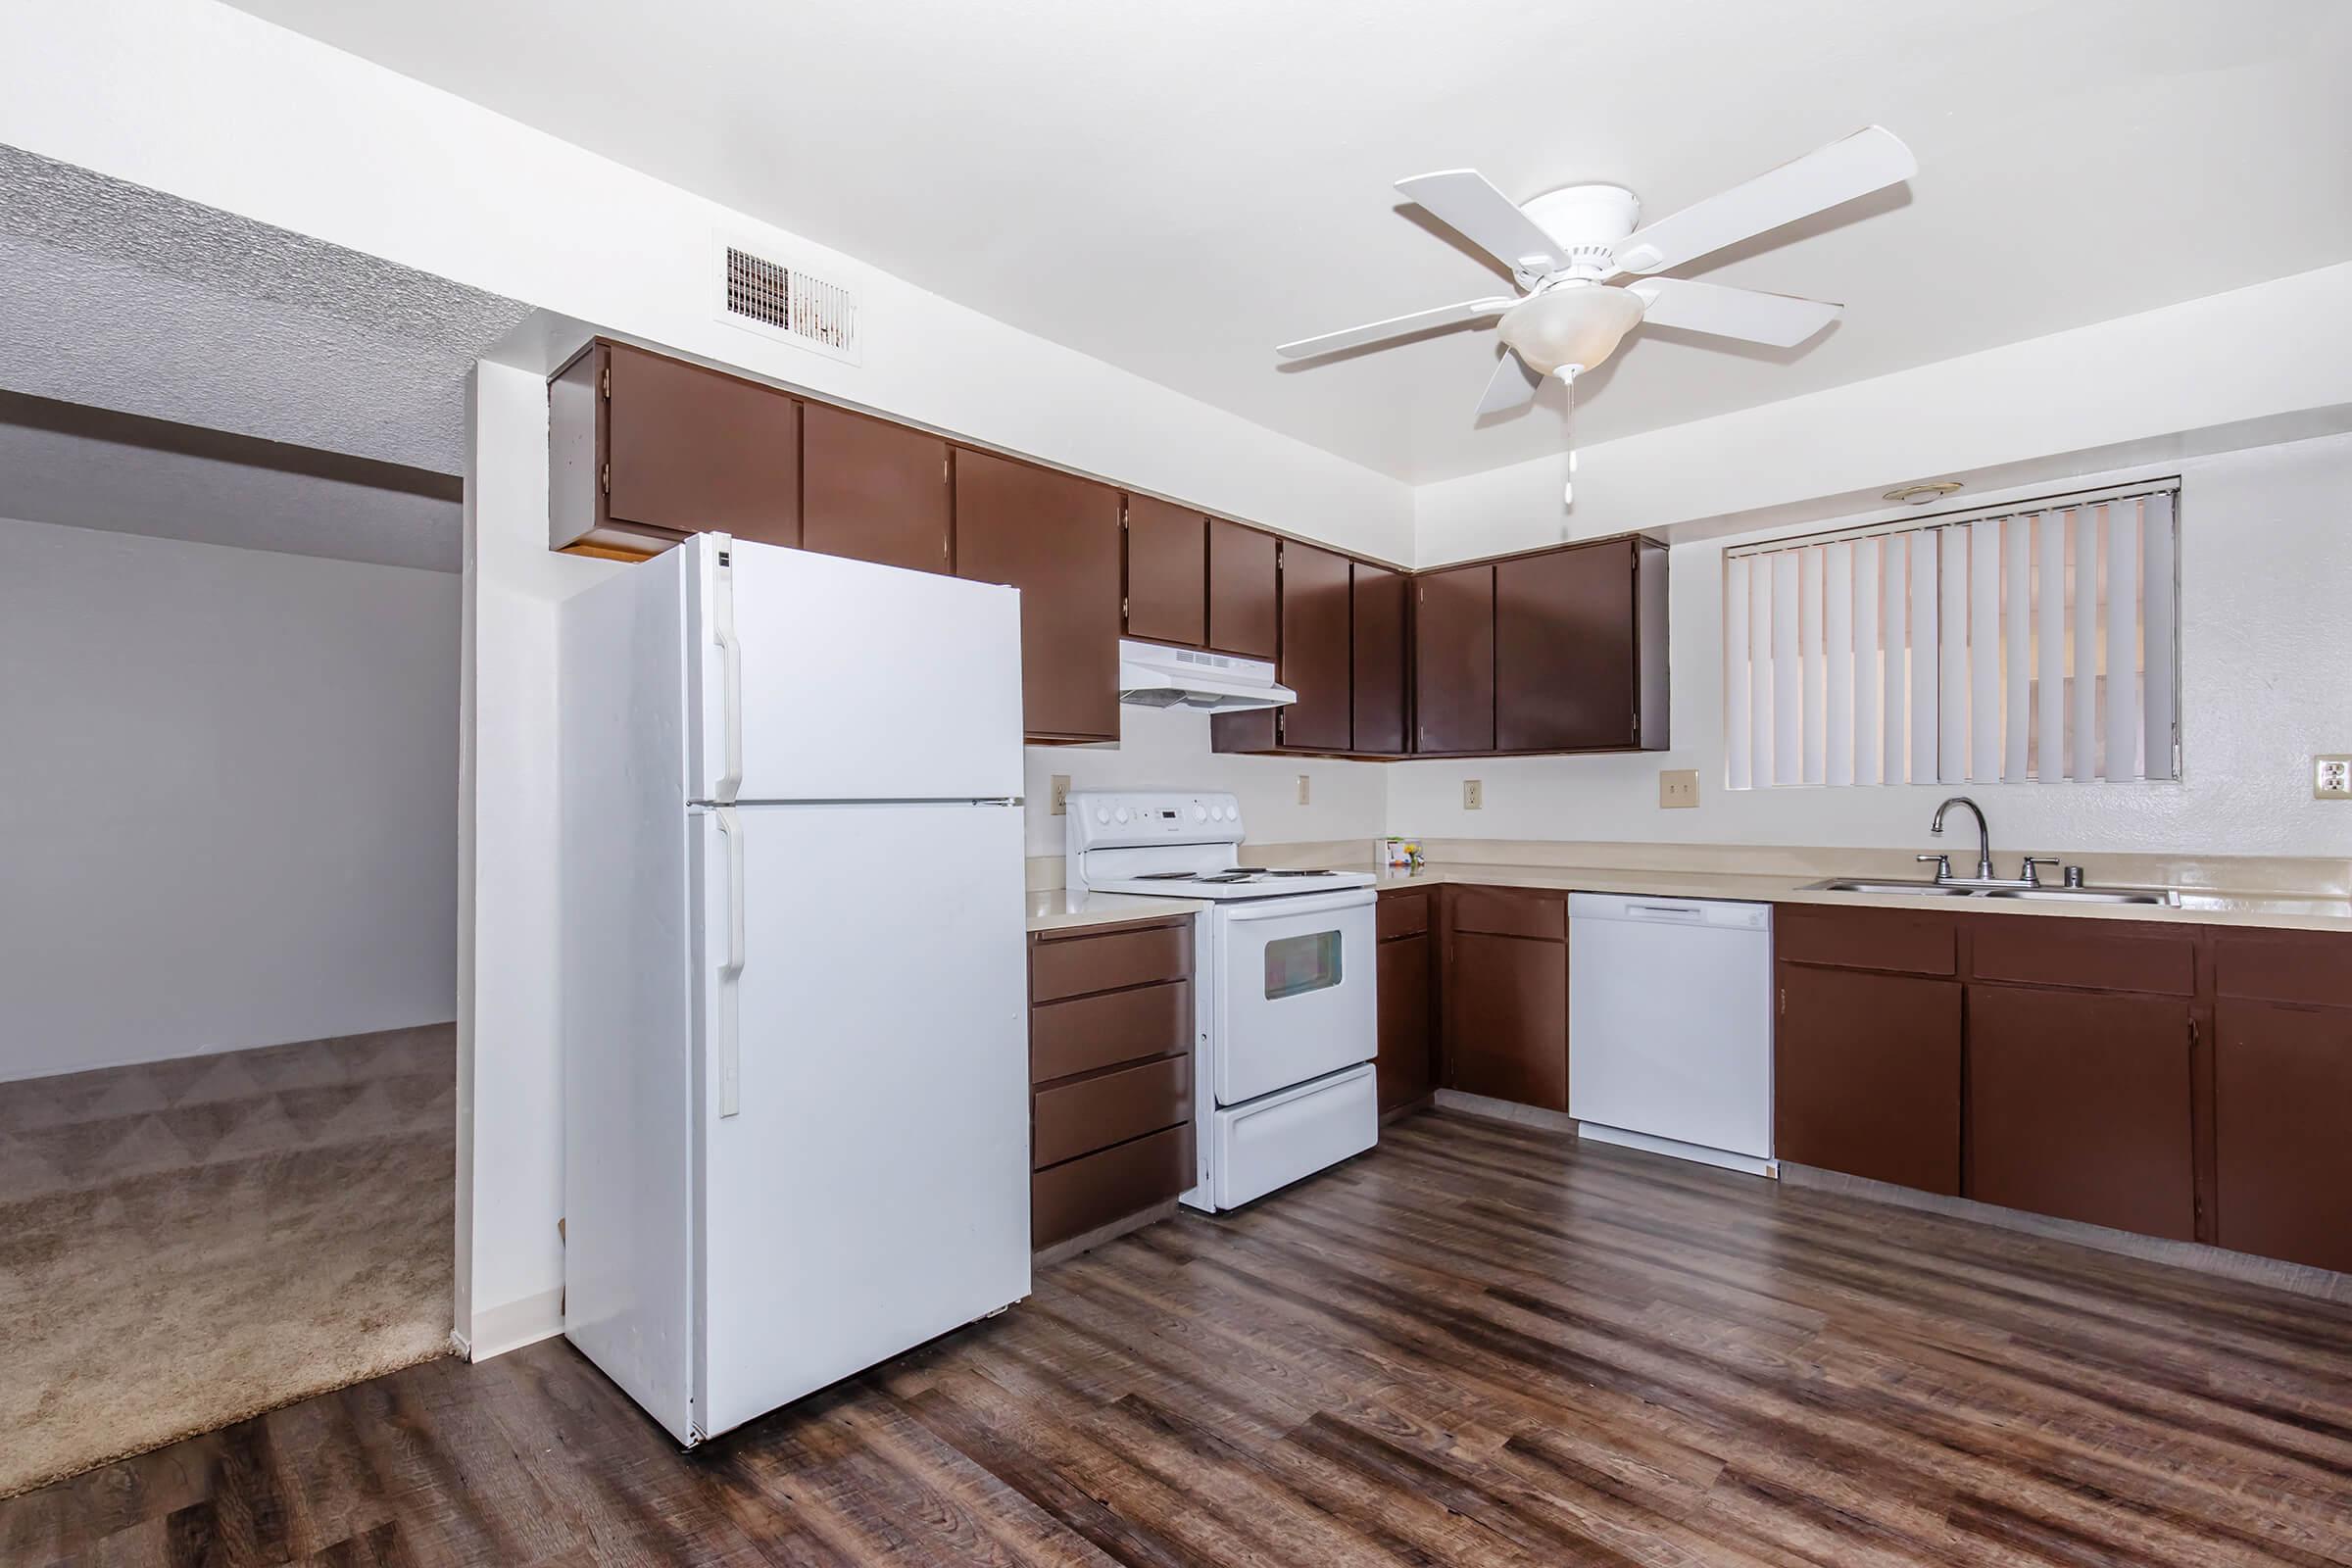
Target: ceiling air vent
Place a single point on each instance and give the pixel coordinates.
(776, 299)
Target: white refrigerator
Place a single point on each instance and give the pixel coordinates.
(794, 1003)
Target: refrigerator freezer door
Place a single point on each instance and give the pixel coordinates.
(872, 1189)
(841, 680)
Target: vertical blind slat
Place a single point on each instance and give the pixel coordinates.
(2122, 640)
(1810, 568)
(1924, 652)
(1788, 674)
(1895, 596)
(2017, 652)
(1869, 767)
(1738, 774)
(2084, 726)
(1951, 661)
(2050, 611)
(1838, 661)
(2157, 587)
(1759, 670)
(1983, 649)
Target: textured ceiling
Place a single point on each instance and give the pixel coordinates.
(1175, 189)
(122, 298)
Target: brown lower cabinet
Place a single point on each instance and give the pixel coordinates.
(1110, 1068)
(1406, 1067)
(1866, 1075)
(2078, 1105)
(2283, 1095)
(1506, 995)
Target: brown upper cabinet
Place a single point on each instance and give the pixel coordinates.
(655, 447)
(1242, 590)
(1579, 654)
(1167, 572)
(873, 491)
(1378, 649)
(1056, 538)
(1315, 651)
(1454, 659)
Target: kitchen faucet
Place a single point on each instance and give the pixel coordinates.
(1983, 836)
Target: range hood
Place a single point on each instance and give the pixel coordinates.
(1155, 677)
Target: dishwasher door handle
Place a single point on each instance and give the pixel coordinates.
(1667, 912)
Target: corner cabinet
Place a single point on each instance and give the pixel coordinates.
(1054, 537)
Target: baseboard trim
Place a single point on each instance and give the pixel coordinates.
(1556, 1121)
(1087, 1241)
(1412, 1108)
(2299, 1279)
(512, 1325)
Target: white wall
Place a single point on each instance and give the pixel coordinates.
(227, 798)
(2266, 572)
(1167, 749)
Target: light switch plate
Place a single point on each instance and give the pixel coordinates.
(1303, 790)
(1474, 794)
(1677, 788)
(1062, 794)
(2331, 778)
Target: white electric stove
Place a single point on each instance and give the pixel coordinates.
(1283, 998)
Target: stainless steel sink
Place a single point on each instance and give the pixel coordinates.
(1964, 890)
(1931, 890)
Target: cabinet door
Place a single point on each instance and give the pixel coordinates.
(693, 451)
(1315, 658)
(1564, 652)
(1454, 661)
(1507, 1019)
(1378, 649)
(2079, 1107)
(1167, 572)
(1866, 1076)
(2282, 1109)
(1056, 539)
(1241, 590)
(872, 491)
(1403, 1063)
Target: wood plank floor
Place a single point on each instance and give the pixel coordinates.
(1480, 1344)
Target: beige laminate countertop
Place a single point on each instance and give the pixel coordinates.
(2210, 907)
(1059, 909)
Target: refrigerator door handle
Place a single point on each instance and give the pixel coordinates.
(730, 1001)
(723, 630)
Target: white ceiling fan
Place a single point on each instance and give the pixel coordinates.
(1566, 248)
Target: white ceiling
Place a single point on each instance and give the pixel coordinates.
(1176, 188)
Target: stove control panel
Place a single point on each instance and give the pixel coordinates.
(1107, 820)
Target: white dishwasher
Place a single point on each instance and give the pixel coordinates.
(1670, 1026)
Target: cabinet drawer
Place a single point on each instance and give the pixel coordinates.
(2094, 955)
(1905, 941)
(1080, 1194)
(1102, 1031)
(1072, 967)
(2308, 967)
(1504, 912)
(1078, 1118)
(1402, 914)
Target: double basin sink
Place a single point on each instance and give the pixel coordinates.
(1962, 889)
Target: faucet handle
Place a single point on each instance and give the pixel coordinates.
(2031, 877)
(1944, 866)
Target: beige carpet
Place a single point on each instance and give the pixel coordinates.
(189, 1243)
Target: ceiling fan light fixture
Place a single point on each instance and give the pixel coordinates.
(1572, 325)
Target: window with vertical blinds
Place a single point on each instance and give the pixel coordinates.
(2038, 643)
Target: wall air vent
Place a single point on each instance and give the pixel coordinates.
(776, 299)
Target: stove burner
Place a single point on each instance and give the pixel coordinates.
(1318, 871)
(1248, 870)
(1236, 875)
(1167, 876)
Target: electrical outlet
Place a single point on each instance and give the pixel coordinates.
(1474, 794)
(1062, 794)
(1303, 791)
(2331, 778)
(1677, 788)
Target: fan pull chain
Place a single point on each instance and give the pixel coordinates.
(1568, 426)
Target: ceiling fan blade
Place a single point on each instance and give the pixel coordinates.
(1870, 158)
(1511, 386)
(1465, 202)
(1780, 319)
(1394, 326)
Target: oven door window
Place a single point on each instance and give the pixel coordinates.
(1297, 965)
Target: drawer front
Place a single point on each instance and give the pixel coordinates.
(1082, 1195)
(1403, 914)
(2307, 966)
(1073, 965)
(1078, 1118)
(1506, 912)
(1904, 941)
(2093, 954)
(1086, 1033)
